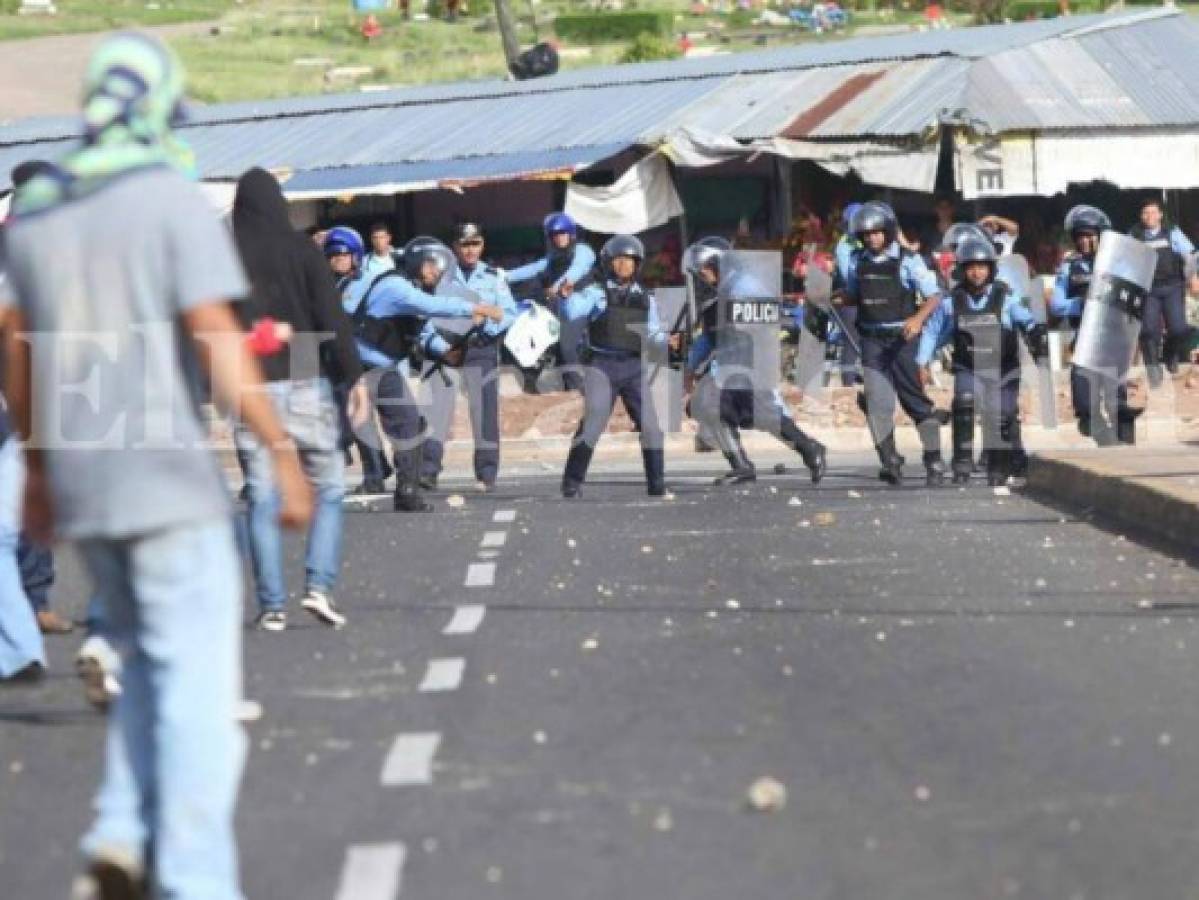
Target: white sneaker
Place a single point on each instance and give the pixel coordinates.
(272, 620)
(321, 606)
(99, 668)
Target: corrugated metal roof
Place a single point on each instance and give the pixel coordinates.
(479, 168)
(1085, 71)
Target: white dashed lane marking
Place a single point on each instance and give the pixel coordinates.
(493, 539)
(480, 574)
(372, 872)
(504, 515)
(443, 675)
(466, 620)
(411, 759)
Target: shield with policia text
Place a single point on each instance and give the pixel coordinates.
(1111, 316)
(749, 316)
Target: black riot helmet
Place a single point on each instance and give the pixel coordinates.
(874, 216)
(420, 250)
(1084, 219)
(973, 250)
(706, 253)
(622, 245)
(959, 232)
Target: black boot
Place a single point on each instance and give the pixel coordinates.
(577, 463)
(934, 470)
(930, 439)
(892, 470)
(741, 468)
(812, 451)
(408, 496)
(1126, 425)
(1151, 354)
(654, 461)
(999, 466)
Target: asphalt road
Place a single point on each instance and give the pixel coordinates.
(962, 693)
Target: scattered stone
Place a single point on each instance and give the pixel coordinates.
(923, 794)
(663, 821)
(732, 604)
(590, 644)
(854, 495)
(795, 501)
(824, 518)
(767, 795)
(454, 501)
(539, 737)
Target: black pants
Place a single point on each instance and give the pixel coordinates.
(1101, 406)
(607, 377)
(1166, 304)
(367, 440)
(890, 373)
(735, 408)
(995, 400)
(402, 423)
(479, 377)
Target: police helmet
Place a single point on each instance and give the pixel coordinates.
(960, 232)
(1082, 219)
(973, 250)
(420, 250)
(465, 232)
(560, 223)
(874, 217)
(343, 239)
(706, 252)
(622, 245)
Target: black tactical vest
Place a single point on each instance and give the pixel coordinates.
(980, 342)
(624, 323)
(397, 337)
(882, 296)
(1169, 264)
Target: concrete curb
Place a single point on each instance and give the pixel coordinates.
(1144, 506)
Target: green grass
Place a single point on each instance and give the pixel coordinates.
(76, 16)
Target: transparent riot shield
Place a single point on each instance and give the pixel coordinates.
(808, 373)
(454, 326)
(1111, 316)
(749, 316)
(665, 379)
(1013, 271)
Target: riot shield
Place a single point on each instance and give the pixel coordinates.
(1111, 316)
(533, 333)
(749, 316)
(666, 380)
(808, 372)
(1012, 270)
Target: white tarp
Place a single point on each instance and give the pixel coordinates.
(642, 198)
(912, 167)
(1047, 163)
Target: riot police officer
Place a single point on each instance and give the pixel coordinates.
(883, 281)
(390, 315)
(620, 321)
(730, 394)
(1167, 298)
(568, 263)
(1098, 398)
(980, 318)
(479, 371)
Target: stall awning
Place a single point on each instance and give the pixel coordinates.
(424, 175)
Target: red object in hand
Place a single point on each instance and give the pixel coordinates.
(263, 340)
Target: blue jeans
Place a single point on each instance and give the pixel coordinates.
(37, 572)
(308, 412)
(20, 640)
(174, 751)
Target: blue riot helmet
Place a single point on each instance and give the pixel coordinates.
(874, 216)
(560, 223)
(705, 253)
(1084, 219)
(421, 250)
(960, 232)
(622, 245)
(343, 239)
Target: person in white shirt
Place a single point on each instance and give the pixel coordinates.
(382, 255)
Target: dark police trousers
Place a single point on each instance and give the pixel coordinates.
(737, 406)
(401, 420)
(1166, 303)
(890, 372)
(367, 439)
(608, 376)
(994, 397)
(479, 376)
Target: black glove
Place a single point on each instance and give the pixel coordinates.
(1038, 341)
(816, 321)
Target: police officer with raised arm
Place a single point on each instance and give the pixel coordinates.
(391, 322)
(619, 319)
(1167, 298)
(479, 373)
(883, 280)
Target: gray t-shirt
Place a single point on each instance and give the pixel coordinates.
(102, 282)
